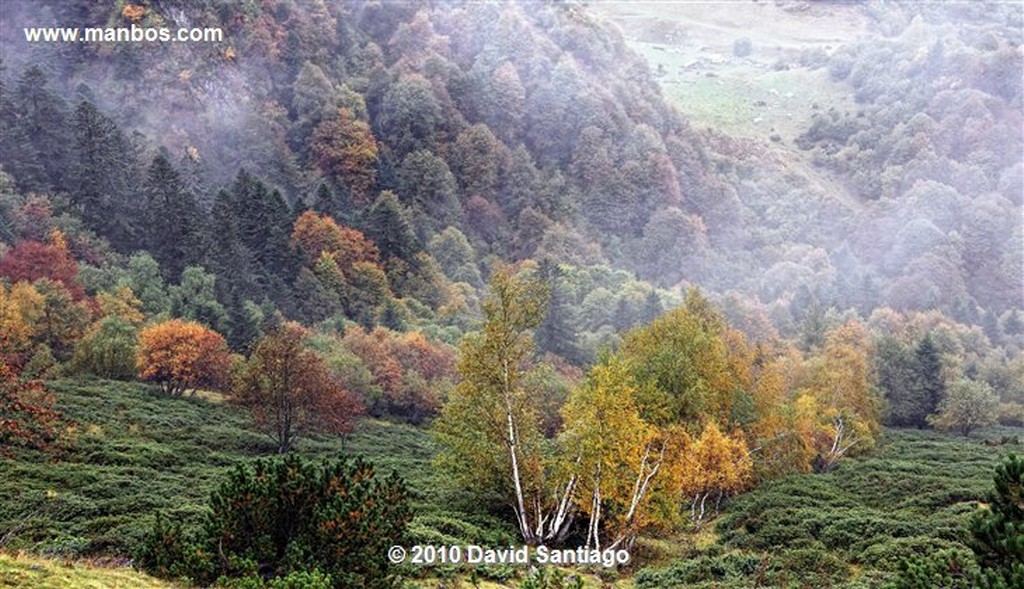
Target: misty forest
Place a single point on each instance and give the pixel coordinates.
(735, 288)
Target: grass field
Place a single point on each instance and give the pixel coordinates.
(46, 573)
(851, 527)
(136, 452)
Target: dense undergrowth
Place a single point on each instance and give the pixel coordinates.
(136, 453)
(852, 527)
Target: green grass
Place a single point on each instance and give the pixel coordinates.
(851, 527)
(134, 452)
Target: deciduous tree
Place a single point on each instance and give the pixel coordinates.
(289, 391)
(489, 429)
(969, 405)
(182, 356)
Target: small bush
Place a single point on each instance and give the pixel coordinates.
(281, 517)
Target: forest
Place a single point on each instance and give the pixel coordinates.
(740, 300)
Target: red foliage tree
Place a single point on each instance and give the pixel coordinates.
(289, 391)
(27, 417)
(29, 261)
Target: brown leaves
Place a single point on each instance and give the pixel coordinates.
(345, 149)
(289, 391)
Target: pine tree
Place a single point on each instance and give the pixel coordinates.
(999, 530)
(103, 184)
(930, 382)
(264, 226)
(42, 121)
(388, 227)
(557, 334)
(173, 234)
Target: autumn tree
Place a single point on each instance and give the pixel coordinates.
(489, 429)
(21, 307)
(289, 392)
(613, 455)
(969, 405)
(31, 260)
(344, 148)
(713, 466)
(841, 390)
(315, 234)
(182, 356)
(27, 417)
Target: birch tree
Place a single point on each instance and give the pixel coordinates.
(489, 430)
(614, 454)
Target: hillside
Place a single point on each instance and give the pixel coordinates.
(137, 453)
(736, 290)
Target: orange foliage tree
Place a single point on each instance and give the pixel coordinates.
(315, 235)
(289, 391)
(182, 356)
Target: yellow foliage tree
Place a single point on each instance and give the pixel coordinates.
(713, 466)
(121, 302)
(615, 454)
(840, 384)
(21, 309)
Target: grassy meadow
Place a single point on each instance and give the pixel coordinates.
(133, 452)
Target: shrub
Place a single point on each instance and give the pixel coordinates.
(281, 517)
(108, 350)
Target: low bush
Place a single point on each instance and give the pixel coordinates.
(281, 517)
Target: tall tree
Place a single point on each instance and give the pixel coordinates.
(173, 231)
(489, 429)
(42, 120)
(610, 452)
(289, 391)
(899, 380)
(104, 191)
(930, 380)
(557, 333)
